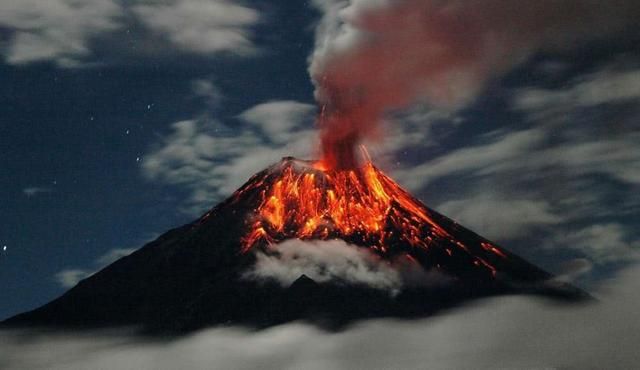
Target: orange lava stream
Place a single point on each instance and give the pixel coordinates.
(319, 203)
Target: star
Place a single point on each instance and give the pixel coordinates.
(4, 248)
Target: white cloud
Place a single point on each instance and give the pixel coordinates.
(612, 156)
(68, 278)
(64, 31)
(499, 217)
(499, 333)
(502, 151)
(211, 160)
(590, 141)
(324, 261)
(204, 88)
(337, 261)
(202, 26)
(35, 190)
(574, 269)
(528, 154)
(203, 157)
(603, 243)
(603, 87)
(279, 120)
(420, 127)
(58, 30)
(114, 255)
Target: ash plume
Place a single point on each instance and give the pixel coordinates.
(374, 56)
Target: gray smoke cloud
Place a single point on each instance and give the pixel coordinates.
(499, 333)
(374, 56)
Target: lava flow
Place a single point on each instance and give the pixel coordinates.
(305, 200)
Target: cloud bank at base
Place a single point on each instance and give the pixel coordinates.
(506, 332)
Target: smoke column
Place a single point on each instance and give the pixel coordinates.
(374, 56)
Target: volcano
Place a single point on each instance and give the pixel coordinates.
(195, 275)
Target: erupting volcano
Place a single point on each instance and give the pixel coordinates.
(363, 206)
(306, 200)
(196, 275)
(211, 271)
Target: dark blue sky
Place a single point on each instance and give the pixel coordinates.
(94, 164)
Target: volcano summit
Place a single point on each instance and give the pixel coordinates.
(197, 275)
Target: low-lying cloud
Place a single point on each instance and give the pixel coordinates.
(323, 261)
(336, 261)
(501, 333)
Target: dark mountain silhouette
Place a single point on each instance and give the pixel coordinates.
(191, 276)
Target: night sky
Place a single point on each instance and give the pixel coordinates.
(122, 119)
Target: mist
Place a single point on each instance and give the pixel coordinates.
(507, 332)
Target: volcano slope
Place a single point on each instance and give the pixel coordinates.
(194, 276)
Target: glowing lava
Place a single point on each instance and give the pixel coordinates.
(305, 200)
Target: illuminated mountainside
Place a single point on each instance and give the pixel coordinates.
(192, 276)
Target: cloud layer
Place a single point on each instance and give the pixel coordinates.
(506, 332)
